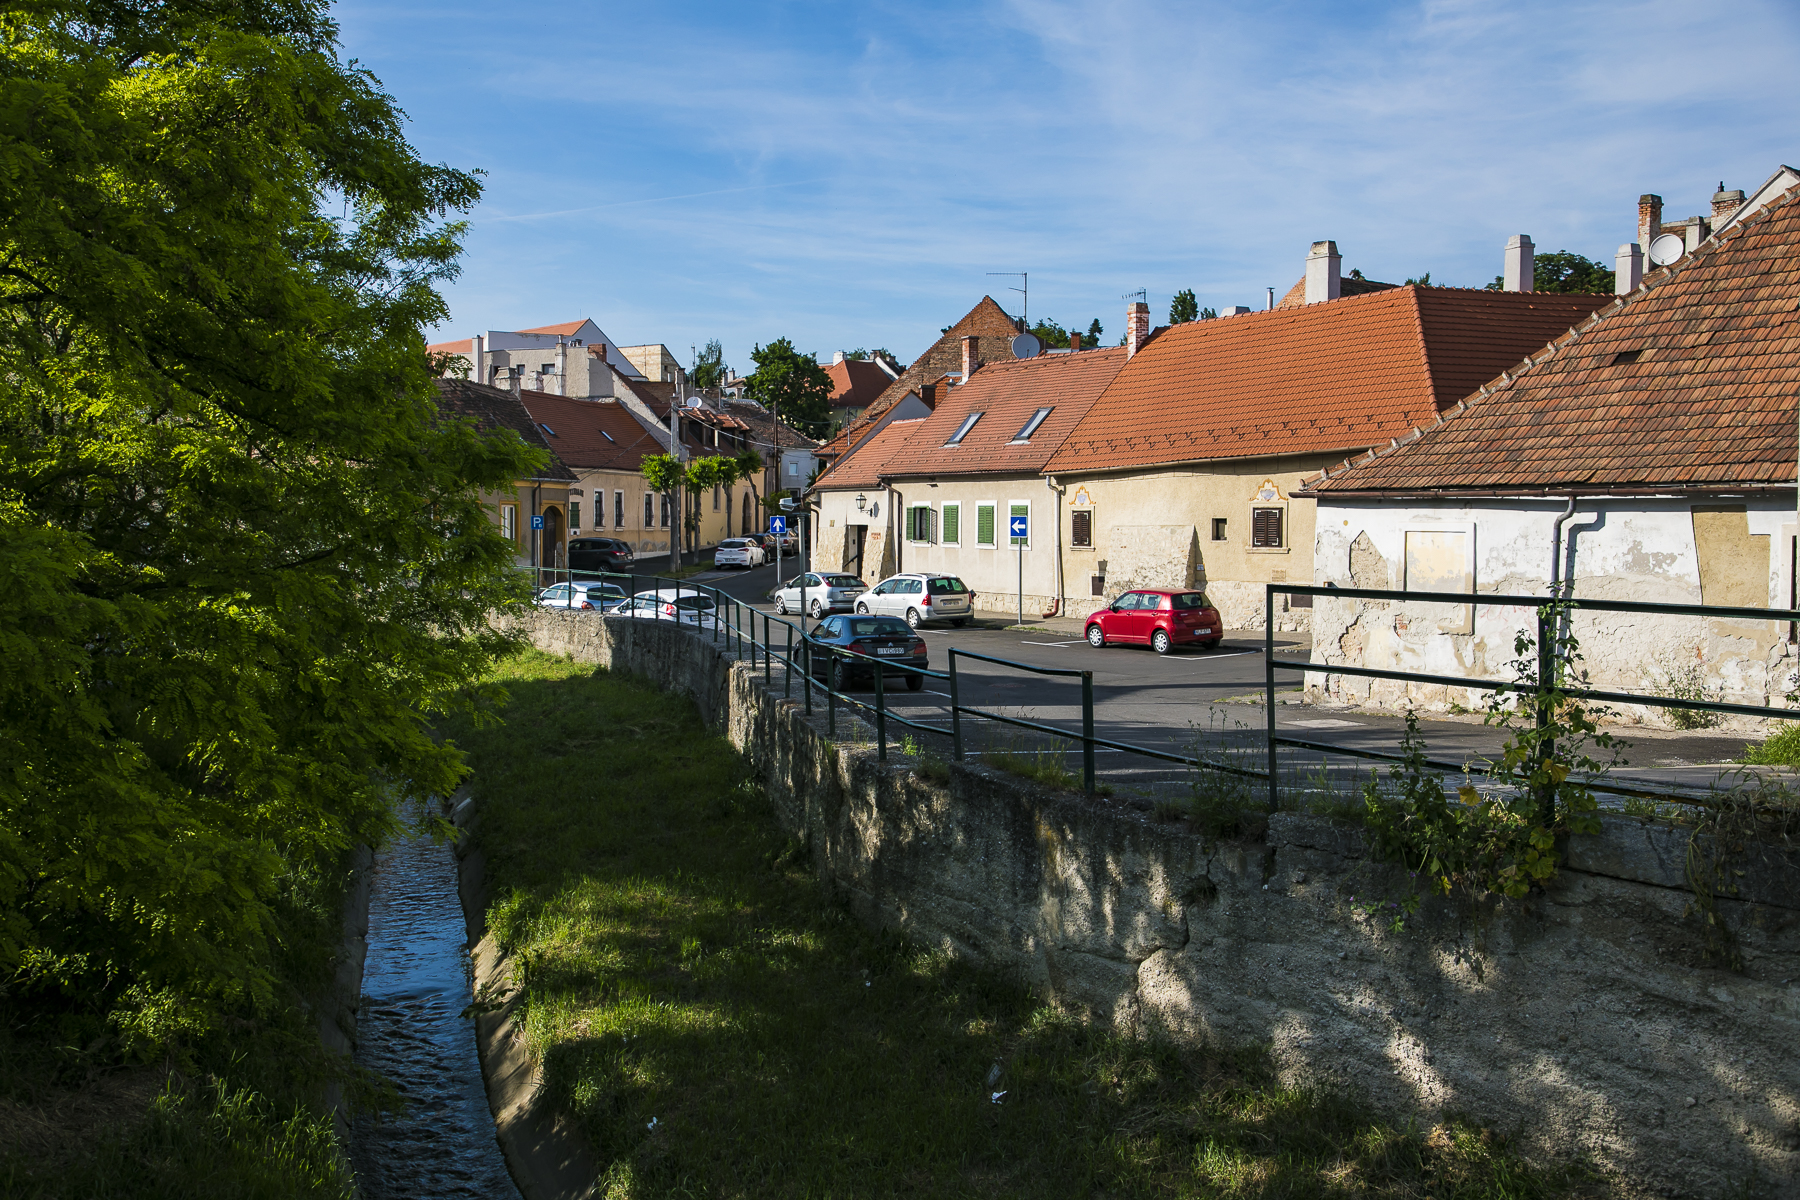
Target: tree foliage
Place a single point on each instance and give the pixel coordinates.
(1184, 307)
(793, 384)
(709, 368)
(240, 555)
(1561, 271)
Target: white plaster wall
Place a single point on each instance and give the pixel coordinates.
(1628, 549)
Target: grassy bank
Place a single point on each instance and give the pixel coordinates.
(720, 1027)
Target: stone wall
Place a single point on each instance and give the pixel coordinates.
(1584, 1019)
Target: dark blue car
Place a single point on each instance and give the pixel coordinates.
(885, 638)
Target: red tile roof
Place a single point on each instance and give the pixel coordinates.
(1688, 384)
(591, 434)
(856, 383)
(491, 408)
(864, 468)
(463, 347)
(566, 329)
(987, 321)
(1006, 394)
(1316, 379)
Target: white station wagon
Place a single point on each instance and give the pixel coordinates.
(738, 552)
(921, 599)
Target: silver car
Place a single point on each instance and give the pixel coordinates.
(921, 599)
(671, 604)
(738, 552)
(825, 593)
(582, 595)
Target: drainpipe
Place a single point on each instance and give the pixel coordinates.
(1556, 548)
(1056, 606)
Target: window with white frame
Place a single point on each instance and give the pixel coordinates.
(574, 515)
(649, 510)
(919, 523)
(952, 525)
(618, 510)
(984, 524)
(509, 522)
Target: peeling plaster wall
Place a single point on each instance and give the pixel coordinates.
(1586, 1018)
(1639, 550)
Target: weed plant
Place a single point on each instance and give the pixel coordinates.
(1679, 674)
(716, 1023)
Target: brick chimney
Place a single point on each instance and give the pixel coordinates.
(1075, 342)
(1137, 327)
(1649, 220)
(1628, 268)
(1725, 203)
(1521, 264)
(1324, 273)
(971, 356)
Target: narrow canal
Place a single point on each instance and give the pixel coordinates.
(416, 987)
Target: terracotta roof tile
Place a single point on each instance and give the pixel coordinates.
(856, 383)
(864, 468)
(591, 434)
(1316, 379)
(491, 408)
(987, 321)
(1689, 383)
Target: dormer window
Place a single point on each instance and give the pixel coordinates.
(962, 431)
(1624, 357)
(1037, 418)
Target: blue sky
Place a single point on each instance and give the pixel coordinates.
(844, 174)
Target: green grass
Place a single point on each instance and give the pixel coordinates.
(1781, 749)
(719, 1026)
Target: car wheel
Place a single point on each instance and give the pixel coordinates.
(780, 607)
(840, 675)
(915, 683)
(959, 622)
(1096, 636)
(1159, 642)
(912, 617)
(818, 609)
(863, 609)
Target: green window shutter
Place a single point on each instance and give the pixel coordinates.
(912, 524)
(952, 523)
(984, 524)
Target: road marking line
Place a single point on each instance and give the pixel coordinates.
(1076, 642)
(1327, 723)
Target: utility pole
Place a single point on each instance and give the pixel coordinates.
(675, 521)
(1023, 291)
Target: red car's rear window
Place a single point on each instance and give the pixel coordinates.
(1191, 600)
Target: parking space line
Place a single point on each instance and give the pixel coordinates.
(1075, 642)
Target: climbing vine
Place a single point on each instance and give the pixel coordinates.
(1504, 839)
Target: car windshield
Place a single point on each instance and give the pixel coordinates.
(879, 627)
(1190, 600)
(947, 585)
(694, 602)
(842, 581)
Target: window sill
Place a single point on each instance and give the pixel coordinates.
(1268, 549)
(1083, 549)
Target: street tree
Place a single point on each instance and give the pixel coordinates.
(709, 368)
(793, 386)
(666, 476)
(242, 554)
(1561, 271)
(1184, 307)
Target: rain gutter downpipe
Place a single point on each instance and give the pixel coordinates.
(1056, 513)
(1556, 540)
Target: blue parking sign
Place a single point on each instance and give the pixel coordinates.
(537, 522)
(777, 524)
(1018, 527)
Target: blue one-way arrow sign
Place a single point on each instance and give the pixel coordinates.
(1018, 527)
(777, 524)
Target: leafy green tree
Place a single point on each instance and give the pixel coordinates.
(709, 368)
(1051, 334)
(1095, 329)
(793, 386)
(667, 475)
(1209, 314)
(1566, 273)
(1184, 307)
(241, 554)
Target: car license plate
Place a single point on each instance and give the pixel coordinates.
(1205, 630)
(890, 649)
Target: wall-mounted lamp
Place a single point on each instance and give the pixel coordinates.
(862, 502)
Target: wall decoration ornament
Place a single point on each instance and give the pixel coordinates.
(1268, 493)
(1081, 499)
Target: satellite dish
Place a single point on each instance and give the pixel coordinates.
(1026, 346)
(1666, 248)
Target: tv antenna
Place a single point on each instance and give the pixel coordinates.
(1024, 291)
(1142, 294)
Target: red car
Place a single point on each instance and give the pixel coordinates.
(1163, 617)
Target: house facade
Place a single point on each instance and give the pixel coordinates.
(1648, 455)
(534, 513)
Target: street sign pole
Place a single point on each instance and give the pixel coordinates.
(1021, 546)
(1018, 527)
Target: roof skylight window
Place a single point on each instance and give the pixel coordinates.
(962, 431)
(1626, 356)
(1037, 418)
(607, 436)
(546, 429)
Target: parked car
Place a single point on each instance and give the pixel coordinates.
(767, 542)
(824, 594)
(878, 637)
(738, 552)
(582, 595)
(920, 599)
(600, 554)
(1163, 618)
(672, 604)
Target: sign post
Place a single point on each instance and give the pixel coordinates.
(777, 529)
(1018, 528)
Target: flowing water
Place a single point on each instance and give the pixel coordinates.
(411, 1029)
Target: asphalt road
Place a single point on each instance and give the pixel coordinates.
(1192, 699)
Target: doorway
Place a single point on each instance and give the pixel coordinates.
(551, 553)
(856, 537)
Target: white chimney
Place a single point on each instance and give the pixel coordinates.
(837, 356)
(1137, 327)
(1236, 310)
(1628, 268)
(562, 368)
(1324, 273)
(1521, 264)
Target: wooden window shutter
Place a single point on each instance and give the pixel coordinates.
(1081, 528)
(984, 525)
(1265, 527)
(952, 523)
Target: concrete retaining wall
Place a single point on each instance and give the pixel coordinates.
(1584, 1019)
